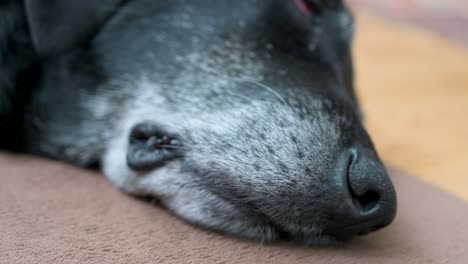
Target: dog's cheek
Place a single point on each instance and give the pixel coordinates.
(115, 168)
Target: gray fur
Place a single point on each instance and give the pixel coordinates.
(263, 112)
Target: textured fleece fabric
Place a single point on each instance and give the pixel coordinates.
(54, 213)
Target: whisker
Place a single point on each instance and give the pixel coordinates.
(271, 90)
(241, 96)
(264, 235)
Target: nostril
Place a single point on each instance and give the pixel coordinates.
(363, 196)
(368, 192)
(368, 201)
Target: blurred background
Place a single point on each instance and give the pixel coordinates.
(412, 78)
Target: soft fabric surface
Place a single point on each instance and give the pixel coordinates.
(53, 213)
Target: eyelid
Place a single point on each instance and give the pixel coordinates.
(309, 7)
(303, 6)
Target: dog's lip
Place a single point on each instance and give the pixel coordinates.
(280, 232)
(358, 229)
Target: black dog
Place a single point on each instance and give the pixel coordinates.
(239, 116)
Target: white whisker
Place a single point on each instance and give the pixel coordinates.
(271, 90)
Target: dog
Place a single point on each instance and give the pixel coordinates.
(238, 116)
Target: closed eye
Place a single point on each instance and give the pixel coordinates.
(309, 7)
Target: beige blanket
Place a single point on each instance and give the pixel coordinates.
(53, 213)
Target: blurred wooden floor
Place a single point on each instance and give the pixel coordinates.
(413, 87)
(448, 17)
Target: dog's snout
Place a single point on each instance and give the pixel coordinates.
(369, 200)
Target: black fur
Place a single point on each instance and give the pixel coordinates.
(240, 115)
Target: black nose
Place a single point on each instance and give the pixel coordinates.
(369, 197)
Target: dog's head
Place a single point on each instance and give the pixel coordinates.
(243, 118)
(240, 116)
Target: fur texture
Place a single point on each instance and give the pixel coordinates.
(257, 94)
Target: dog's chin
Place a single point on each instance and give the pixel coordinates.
(194, 204)
(228, 219)
(269, 234)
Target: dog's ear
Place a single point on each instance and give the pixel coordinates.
(30, 29)
(56, 25)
